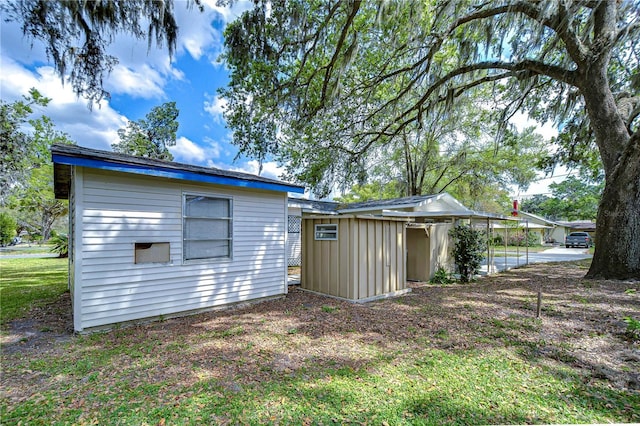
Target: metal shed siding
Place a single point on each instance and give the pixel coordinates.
(367, 260)
(120, 209)
(439, 245)
(428, 249)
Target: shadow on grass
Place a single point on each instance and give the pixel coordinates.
(428, 358)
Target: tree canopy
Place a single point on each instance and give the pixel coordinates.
(19, 151)
(571, 199)
(27, 178)
(151, 136)
(320, 84)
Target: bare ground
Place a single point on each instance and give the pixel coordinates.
(581, 327)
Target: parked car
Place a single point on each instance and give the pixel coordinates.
(578, 239)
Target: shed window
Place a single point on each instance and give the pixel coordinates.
(326, 232)
(208, 228)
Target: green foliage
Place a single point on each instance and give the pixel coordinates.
(441, 276)
(28, 185)
(150, 137)
(7, 228)
(375, 190)
(468, 250)
(572, 199)
(19, 150)
(370, 87)
(517, 238)
(633, 328)
(60, 245)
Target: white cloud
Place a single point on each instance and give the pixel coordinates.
(226, 13)
(186, 151)
(143, 82)
(96, 128)
(215, 105)
(197, 32)
(270, 169)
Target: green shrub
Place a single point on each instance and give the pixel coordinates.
(441, 276)
(522, 239)
(7, 228)
(633, 328)
(468, 250)
(60, 245)
(516, 238)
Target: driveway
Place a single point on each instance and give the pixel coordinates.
(556, 254)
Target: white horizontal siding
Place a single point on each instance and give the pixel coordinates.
(121, 209)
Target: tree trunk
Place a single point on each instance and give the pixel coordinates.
(617, 254)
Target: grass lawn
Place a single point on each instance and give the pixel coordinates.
(29, 282)
(26, 249)
(454, 354)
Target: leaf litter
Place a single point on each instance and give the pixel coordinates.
(303, 333)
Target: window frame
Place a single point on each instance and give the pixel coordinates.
(185, 218)
(317, 231)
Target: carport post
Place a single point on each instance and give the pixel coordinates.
(488, 249)
(506, 236)
(517, 247)
(526, 238)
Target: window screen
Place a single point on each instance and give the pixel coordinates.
(207, 228)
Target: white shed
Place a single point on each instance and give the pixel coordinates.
(151, 238)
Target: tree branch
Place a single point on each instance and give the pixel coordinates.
(556, 23)
(343, 35)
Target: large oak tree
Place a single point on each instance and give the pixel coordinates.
(359, 74)
(326, 81)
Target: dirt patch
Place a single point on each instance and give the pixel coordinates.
(581, 328)
(40, 328)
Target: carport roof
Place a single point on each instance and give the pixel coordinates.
(462, 214)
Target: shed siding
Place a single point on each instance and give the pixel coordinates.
(366, 261)
(440, 243)
(120, 210)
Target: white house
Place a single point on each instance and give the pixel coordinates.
(549, 230)
(151, 238)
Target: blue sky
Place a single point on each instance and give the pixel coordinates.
(146, 78)
(142, 79)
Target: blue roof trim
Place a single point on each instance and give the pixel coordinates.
(173, 174)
